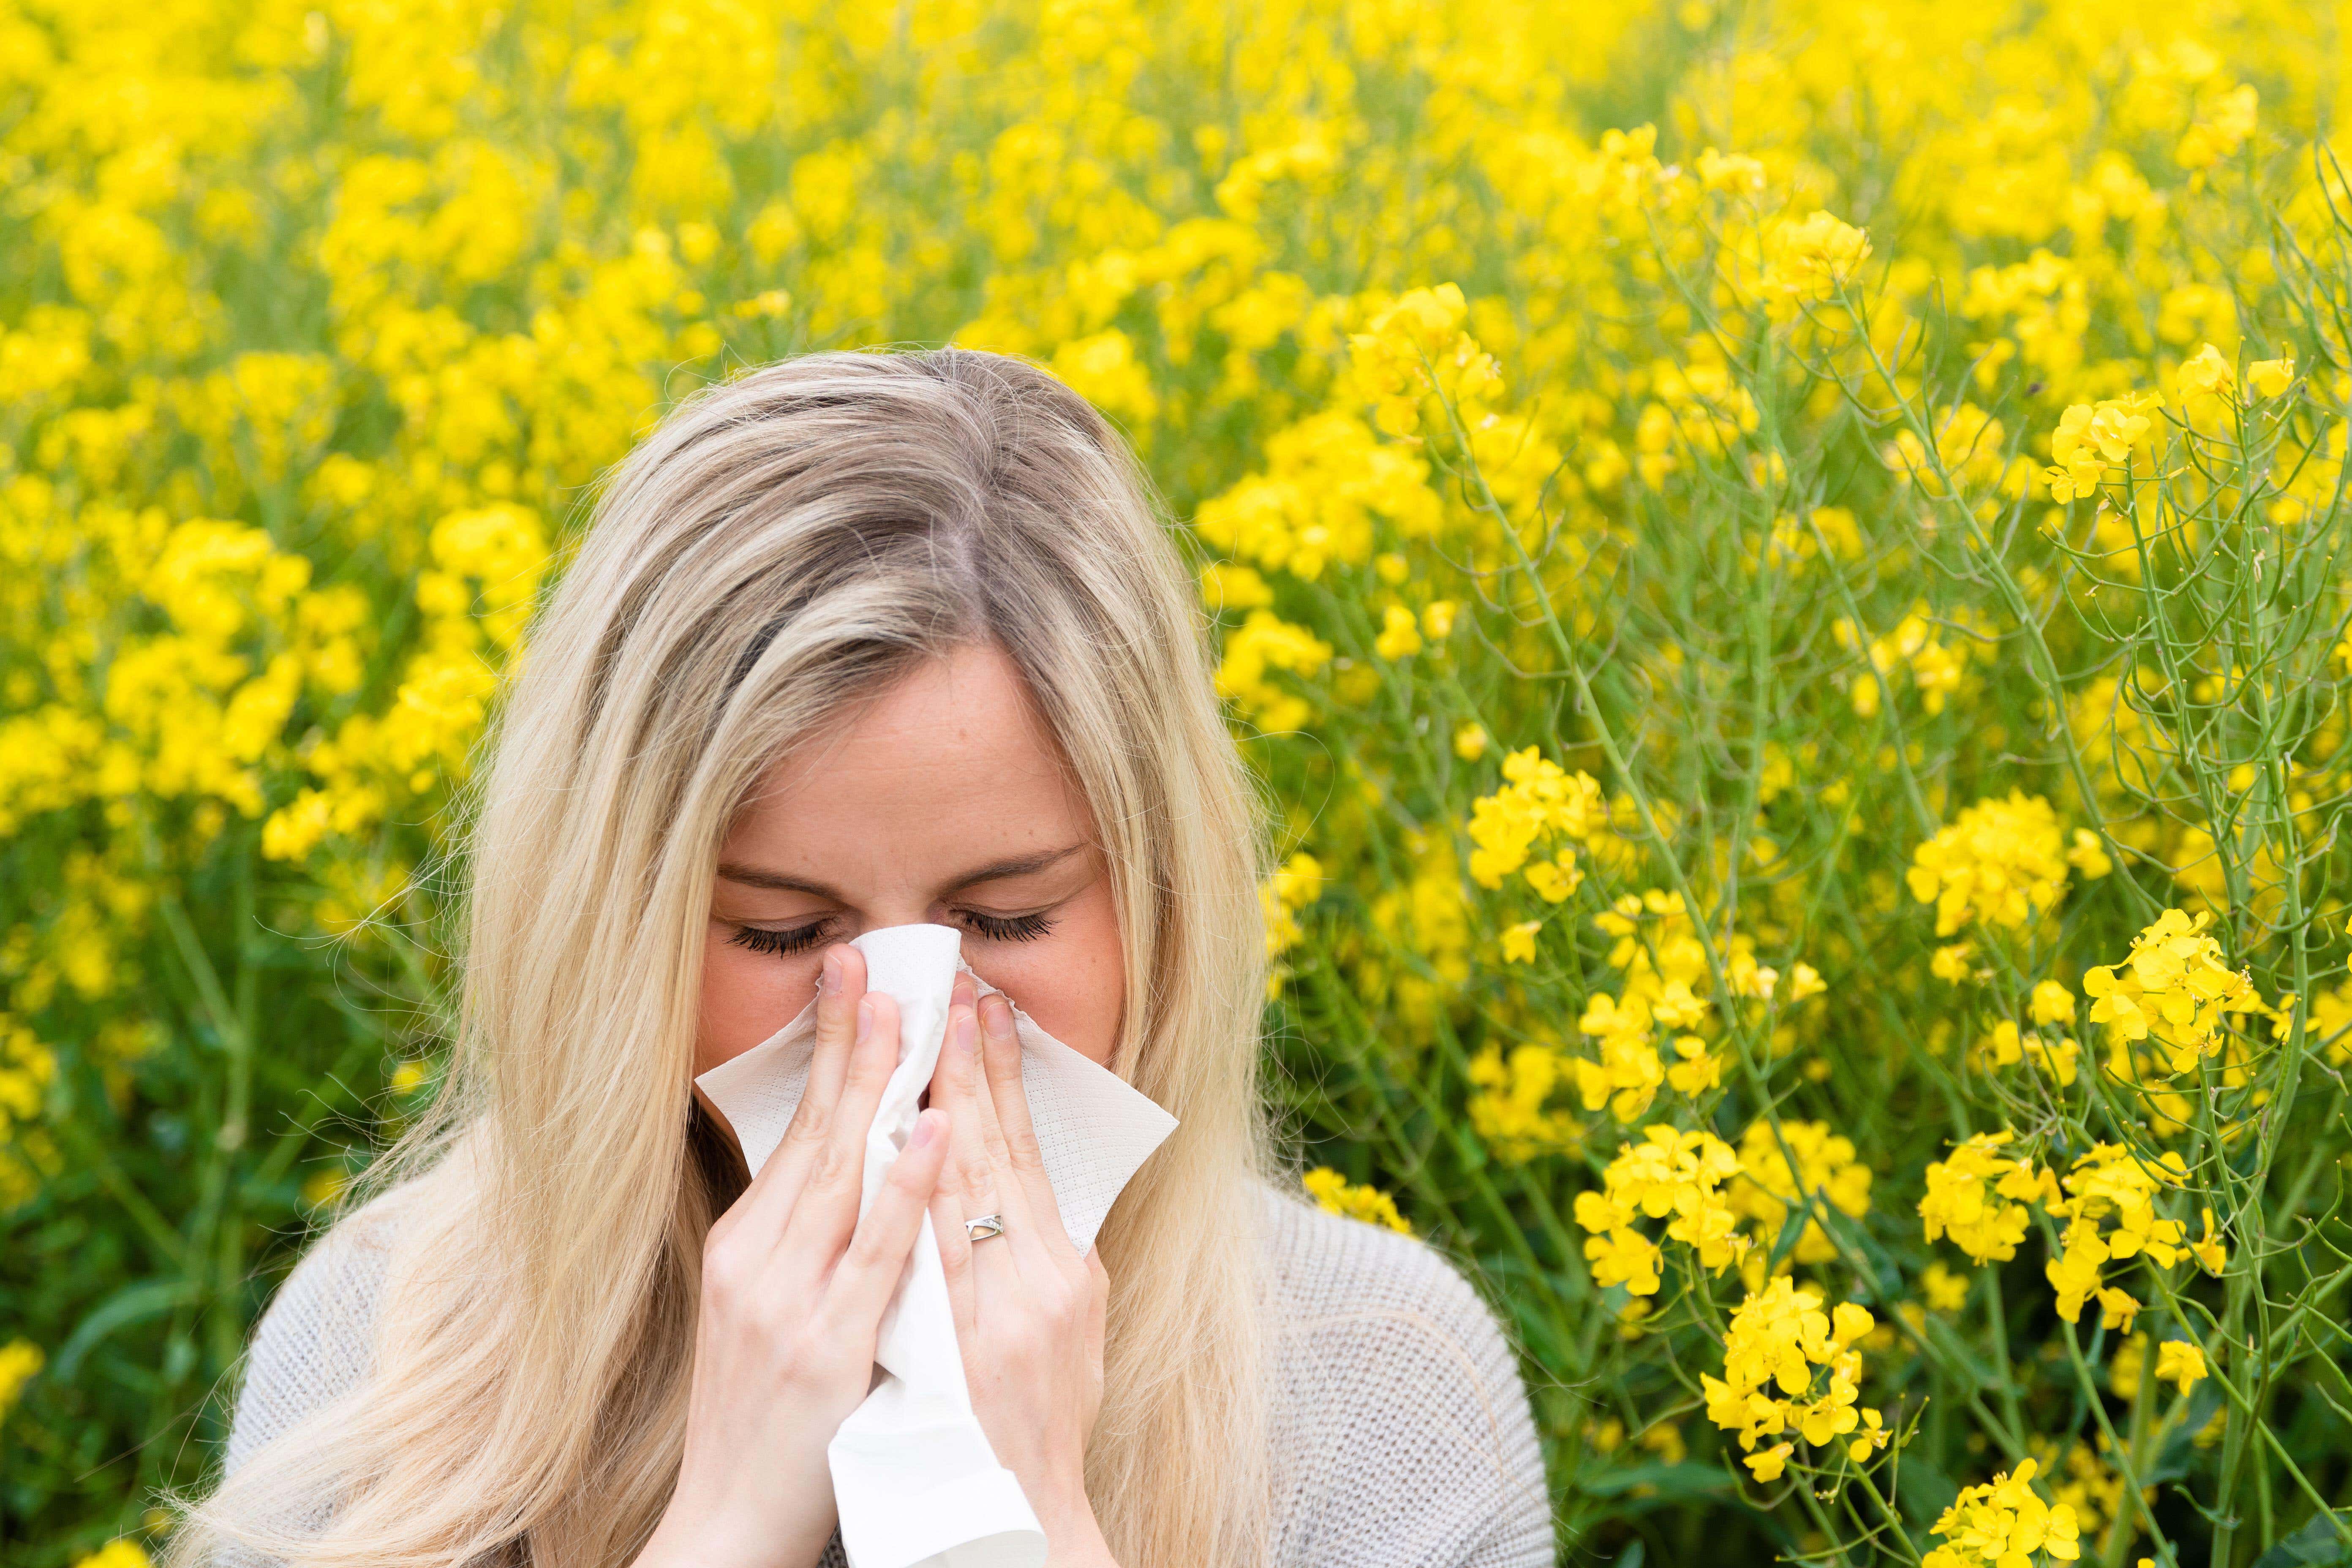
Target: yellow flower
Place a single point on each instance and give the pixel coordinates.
(2000, 862)
(1788, 1365)
(1828, 1168)
(1953, 962)
(2173, 989)
(19, 1360)
(1664, 1174)
(120, 1554)
(2051, 1002)
(1400, 635)
(2206, 374)
(1982, 1197)
(1336, 1194)
(2270, 377)
(2004, 1521)
(1874, 1436)
(1470, 741)
(1946, 1291)
(2181, 1362)
(2211, 1254)
(1771, 1462)
(1519, 941)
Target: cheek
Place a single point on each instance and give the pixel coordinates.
(746, 997)
(1073, 982)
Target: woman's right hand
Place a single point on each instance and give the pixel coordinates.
(793, 1287)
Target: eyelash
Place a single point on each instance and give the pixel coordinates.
(800, 938)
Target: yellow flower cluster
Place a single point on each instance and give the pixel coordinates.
(1414, 349)
(2001, 863)
(1664, 1003)
(2113, 1184)
(1982, 1197)
(20, 1360)
(1511, 1107)
(1827, 1167)
(1787, 1366)
(2173, 989)
(1541, 807)
(2093, 439)
(2330, 1025)
(1296, 883)
(2082, 1481)
(1336, 1194)
(1664, 1174)
(486, 566)
(1261, 646)
(2005, 1523)
(1710, 1190)
(1428, 917)
(27, 1065)
(1933, 653)
(2007, 1045)
(1330, 492)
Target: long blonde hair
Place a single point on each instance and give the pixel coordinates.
(784, 546)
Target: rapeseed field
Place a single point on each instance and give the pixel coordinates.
(1786, 563)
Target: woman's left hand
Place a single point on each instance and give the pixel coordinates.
(1028, 1308)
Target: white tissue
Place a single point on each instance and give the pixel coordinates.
(913, 1474)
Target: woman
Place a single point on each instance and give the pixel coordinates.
(855, 641)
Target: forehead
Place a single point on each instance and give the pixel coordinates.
(952, 760)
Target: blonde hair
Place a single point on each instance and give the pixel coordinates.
(784, 546)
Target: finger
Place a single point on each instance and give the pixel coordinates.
(1026, 1246)
(982, 1185)
(827, 1213)
(1008, 1095)
(840, 986)
(877, 1255)
(775, 1191)
(955, 1256)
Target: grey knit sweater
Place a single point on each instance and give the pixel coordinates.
(1397, 1408)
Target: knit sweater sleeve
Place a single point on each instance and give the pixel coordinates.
(314, 1342)
(1402, 1436)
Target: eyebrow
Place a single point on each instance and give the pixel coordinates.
(1018, 866)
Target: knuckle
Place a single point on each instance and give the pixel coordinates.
(723, 1274)
(812, 1122)
(802, 1346)
(865, 1249)
(832, 1169)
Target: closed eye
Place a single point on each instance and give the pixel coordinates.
(780, 944)
(1007, 928)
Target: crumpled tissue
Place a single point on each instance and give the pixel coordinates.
(913, 1474)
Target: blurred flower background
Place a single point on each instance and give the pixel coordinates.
(1786, 562)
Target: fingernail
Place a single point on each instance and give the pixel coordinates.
(830, 981)
(967, 1033)
(865, 1018)
(926, 1127)
(1000, 1014)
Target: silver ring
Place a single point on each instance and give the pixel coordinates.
(983, 1227)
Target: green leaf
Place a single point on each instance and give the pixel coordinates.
(132, 1304)
(2316, 1545)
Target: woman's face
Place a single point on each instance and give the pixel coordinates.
(943, 800)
